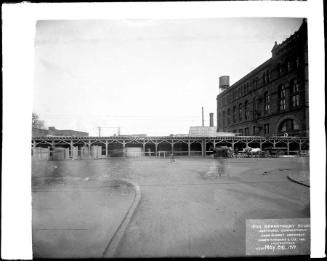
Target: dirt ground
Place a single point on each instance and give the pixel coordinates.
(194, 206)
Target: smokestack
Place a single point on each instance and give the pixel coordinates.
(202, 118)
(211, 119)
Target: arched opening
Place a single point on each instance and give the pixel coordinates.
(115, 149)
(294, 147)
(180, 149)
(254, 144)
(239, 146)
(209, 148)
(288, 127)
(164, 146)
(196, 149)
(150, 149)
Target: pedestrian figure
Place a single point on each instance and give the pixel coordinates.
(172, 158)
(221, 166)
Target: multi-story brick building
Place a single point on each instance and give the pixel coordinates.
(273, 98)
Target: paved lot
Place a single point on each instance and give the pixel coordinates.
(188, 208)
(74, 216)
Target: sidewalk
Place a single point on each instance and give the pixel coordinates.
(78, 220)
(302, 178)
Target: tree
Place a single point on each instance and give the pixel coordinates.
(36, 122)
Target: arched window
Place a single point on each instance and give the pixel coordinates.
(246, 110)
(282, 97)
(240, 112)
(288, 126)
(266, 102)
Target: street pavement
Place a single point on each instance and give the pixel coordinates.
(191, 207)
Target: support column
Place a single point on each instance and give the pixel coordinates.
(233, 145)
(156, 149)
(89, 148)
(260, 145)
(189, 148)
(172, 147)
(203, 148)
(106, 149)
(274, 144)
(33, 147)
(71, 149)
(288, 148)
(300, 147)
(52, 149)
(143, 147)
(214, 144)
(246, 144)
(124, 148)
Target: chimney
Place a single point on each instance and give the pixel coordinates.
(211, 119)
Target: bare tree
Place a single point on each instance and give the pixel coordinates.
(36, 122)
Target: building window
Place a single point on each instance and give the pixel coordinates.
(266, 102)
(297, 62)
(268, 76)
(288, 64)
(240, 112)
(240, 132)
(246, 131)
(282, 97)
(264, 78)
(224, 119)
(234, 114)
(295, 95)
(228, 116)
(280, 69)
(255, 108)
(266, 128)
(256, 82)
(246, 110)
(254, 130)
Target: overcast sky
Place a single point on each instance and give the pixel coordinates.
(146, 76)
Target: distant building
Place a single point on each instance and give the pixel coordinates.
(273, 98)
(133, 135)
(207, 131)
(52, 131)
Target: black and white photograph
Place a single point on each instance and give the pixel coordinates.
(168, 136)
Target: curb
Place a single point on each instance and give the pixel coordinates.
(297, 181)
(113, 243)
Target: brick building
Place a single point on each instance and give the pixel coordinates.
(273, 98)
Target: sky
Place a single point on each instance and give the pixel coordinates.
(145, 76)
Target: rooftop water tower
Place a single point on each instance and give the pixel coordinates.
(223, 82)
